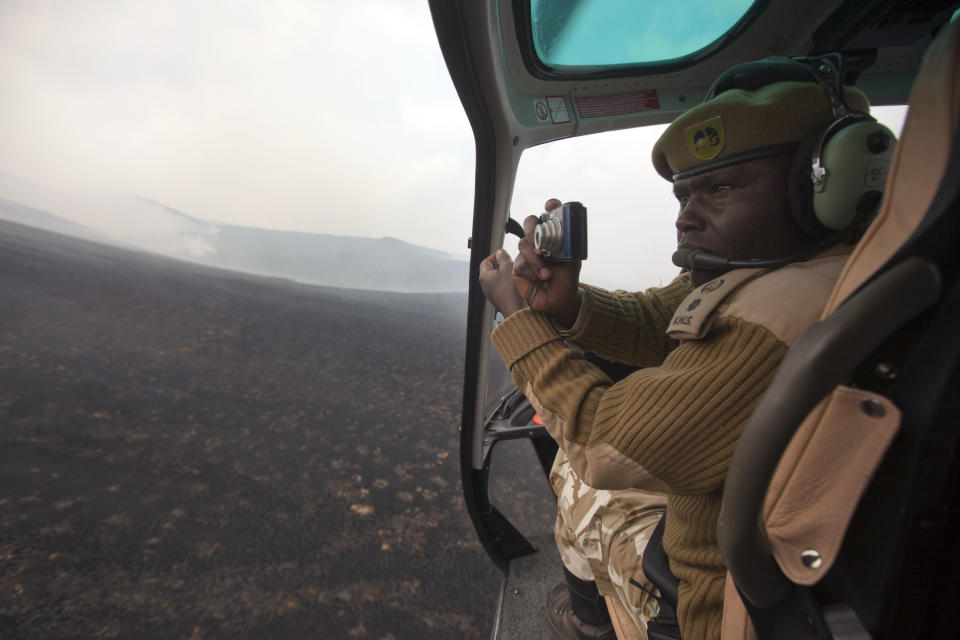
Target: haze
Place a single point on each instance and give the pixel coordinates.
(325, 117)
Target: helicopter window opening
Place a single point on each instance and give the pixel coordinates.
(577, 34)
(631, 210)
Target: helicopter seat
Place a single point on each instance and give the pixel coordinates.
(822, 488)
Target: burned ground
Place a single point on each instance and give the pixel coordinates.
(193, 453)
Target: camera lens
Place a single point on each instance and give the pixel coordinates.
(548, 237)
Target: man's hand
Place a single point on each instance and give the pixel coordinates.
(548, 288)
(497, 283)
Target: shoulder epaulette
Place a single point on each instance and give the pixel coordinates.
(696, 313)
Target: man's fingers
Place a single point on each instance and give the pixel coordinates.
(529, 224)
(520, 268)
(552, 204)
(502, 261)
(532, 265)
(525, 266)
(489, 263)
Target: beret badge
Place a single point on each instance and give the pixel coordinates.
(705, 139)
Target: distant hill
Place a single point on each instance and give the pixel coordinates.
(384, 264)
(30, 216)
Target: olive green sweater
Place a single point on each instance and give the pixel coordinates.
(674, 423)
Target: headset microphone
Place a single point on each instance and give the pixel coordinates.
(691, 259)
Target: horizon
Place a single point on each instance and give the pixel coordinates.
(289, 119)
(299, 256)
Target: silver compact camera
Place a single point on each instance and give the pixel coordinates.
(562, 233)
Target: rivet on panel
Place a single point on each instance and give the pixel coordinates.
(886, 370)
(811, 559)
(872, 408)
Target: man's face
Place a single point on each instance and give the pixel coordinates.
(740, 212)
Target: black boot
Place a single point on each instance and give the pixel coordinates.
(577, 611)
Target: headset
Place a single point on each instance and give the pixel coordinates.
(839, 170)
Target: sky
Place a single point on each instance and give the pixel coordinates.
(318, 116)
(313, 115)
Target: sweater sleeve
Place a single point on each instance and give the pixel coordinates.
(628, 327)
(677, 422)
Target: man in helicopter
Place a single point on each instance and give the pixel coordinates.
(759, 262)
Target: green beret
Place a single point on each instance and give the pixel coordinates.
(740, 125)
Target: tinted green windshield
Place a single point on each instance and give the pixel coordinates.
(592, 33)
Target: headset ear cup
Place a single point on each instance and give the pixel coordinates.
(800, 187)
(857, 159)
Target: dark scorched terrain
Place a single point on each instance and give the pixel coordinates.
(193, 453)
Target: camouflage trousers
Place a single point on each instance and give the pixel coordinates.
(602, 535)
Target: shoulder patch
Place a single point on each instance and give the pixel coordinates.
(694, 316)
